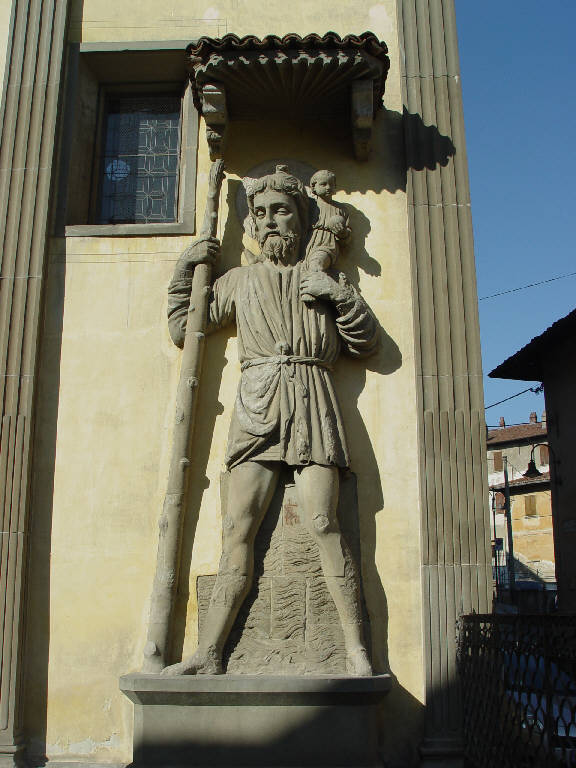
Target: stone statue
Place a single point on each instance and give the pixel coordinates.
(330, 224)
(286, 410)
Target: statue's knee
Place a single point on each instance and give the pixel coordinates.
(320, 523)
(234, 532)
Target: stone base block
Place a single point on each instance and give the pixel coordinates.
(442, 753)
(247, 721)
(12, 756)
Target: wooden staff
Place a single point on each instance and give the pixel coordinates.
(175, 501)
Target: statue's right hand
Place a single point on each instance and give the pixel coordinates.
(205, 250)
(337, 225)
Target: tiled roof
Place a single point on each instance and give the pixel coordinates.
(527, 363)
(204, 47)
(524, 482)
(517, 433)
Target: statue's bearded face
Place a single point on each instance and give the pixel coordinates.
(278, 226)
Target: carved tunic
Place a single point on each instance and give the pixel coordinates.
(322, 236)
(286, 408)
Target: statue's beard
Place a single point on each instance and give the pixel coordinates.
(281, 249)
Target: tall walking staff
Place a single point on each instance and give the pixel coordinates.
(175, 501)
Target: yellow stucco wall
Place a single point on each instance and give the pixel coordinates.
(533, 536)
(107, 20)
(5, 11)
(107, 382)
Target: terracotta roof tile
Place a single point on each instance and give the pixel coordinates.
(524, 482)
(202, 49)
(519, 432)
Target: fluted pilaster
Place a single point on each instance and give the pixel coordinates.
(456, 556)
(27, 130)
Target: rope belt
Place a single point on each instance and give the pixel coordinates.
(286, 360)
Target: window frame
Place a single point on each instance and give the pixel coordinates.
(128, 91)
(531, 506)
(498, 460)
(129, 69)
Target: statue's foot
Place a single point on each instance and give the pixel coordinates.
(358, 663)
(200, 663)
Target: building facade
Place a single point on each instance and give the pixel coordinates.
(530, 509)
(548, 358)
(89, 371)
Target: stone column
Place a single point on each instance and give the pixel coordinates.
(455, 531)
(27, 128)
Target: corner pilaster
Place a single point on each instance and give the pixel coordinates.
(456, 554)
(27, 127)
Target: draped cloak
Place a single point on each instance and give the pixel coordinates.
(286, 408)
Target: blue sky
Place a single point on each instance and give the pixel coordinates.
(518, 72)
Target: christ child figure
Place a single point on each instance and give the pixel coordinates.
(330, 224)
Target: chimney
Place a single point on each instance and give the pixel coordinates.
(544, 425)
(533, 418)
(501, 423)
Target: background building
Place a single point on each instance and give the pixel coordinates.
(531, 513)
(549, 358)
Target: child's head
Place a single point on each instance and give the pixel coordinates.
(323, 183)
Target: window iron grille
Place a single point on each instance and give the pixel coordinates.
(139, 163)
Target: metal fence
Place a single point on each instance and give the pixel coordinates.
(518, 677)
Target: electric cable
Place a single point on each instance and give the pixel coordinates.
(536, 391)
(530, 285)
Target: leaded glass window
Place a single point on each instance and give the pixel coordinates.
(139, 163)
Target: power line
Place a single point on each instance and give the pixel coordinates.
(512, 424)
(509, 424)
(530, 285)
(536, 391)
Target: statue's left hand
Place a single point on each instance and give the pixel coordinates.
(319, 285)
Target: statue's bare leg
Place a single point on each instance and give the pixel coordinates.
(318, 489)
(250, 490)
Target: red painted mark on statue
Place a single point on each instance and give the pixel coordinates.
(290, 514)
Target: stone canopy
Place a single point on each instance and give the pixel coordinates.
(307, 77)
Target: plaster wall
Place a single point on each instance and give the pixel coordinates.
(518, 457)
(5, 11)
(106, 20)
(533, 538)
(532, 533)
(108, 375)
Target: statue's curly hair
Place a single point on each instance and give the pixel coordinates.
(323, 176)
(280, 181)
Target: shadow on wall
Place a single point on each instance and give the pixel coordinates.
(323, 144)
(37, 640)
(432, 150)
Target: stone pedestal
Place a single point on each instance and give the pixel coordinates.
(251, 720)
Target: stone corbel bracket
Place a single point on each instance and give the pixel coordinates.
(215, 112)
(312, 77)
